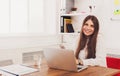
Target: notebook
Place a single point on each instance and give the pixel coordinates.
(62, 59)
(17, 70)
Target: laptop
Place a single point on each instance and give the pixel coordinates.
(63, 59)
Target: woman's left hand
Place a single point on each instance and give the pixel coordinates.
(80, 61)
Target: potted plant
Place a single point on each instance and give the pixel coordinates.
(73, 10)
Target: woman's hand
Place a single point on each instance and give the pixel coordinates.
(79, 61)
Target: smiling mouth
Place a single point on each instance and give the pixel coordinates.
(87, 31)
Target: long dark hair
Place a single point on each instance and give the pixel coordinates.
(91, 45)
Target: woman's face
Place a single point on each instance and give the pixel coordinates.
(88, 28)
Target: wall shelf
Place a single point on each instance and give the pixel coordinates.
(69, 33)
(74, 14)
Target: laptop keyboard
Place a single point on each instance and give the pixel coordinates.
(79, 68)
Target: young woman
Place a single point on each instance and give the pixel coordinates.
(89, 50)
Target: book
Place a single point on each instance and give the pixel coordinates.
(17, 70)
(63, 22)
(70, 28)
(66, 22)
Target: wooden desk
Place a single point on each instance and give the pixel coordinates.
(91, 71)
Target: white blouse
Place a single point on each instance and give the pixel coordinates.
(100, 59)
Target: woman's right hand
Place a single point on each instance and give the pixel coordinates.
(77, 62)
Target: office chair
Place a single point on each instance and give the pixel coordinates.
(113, 62)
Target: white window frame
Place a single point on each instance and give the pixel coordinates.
(28, 21)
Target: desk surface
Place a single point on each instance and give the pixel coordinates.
(90, 71)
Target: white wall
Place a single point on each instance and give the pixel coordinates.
(27, 41)
(13, 47)
(35, 16)
(111, 28)
(50, 16)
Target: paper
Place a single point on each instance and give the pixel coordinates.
(116, 2)
(17, 69)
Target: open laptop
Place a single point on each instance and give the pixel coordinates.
(62, 59)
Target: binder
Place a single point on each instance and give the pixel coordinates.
(66, 22)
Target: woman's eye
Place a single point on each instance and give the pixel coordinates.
(92, 25)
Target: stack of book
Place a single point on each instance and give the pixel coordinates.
(66, 25)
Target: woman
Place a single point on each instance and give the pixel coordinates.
(89, 50)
